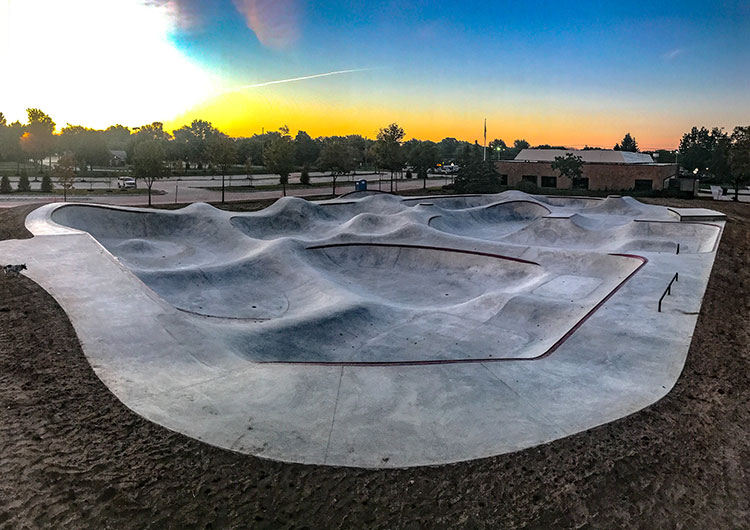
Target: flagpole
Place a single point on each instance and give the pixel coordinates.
(484, 155)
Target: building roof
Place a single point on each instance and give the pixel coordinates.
(589, 156)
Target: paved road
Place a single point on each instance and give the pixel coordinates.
(192, 189)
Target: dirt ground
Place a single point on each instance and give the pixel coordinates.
(73, 456)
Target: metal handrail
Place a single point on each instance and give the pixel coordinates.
(668, 290)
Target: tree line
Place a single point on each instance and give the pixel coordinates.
(154, 152)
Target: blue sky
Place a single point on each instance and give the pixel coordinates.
(550, 72)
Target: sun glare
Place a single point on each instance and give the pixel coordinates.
(95, 63)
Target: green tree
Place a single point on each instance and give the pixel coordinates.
(306, 150)
(497, 149)
(278, 157)
(448, 148)
(695, 151)
(718, 165)
(477, 175)
(570, 166)
(10, 144)
(358, 145)
(5, 185)
(47, 185)
(628, 144)
(388, 149)
(338, 157)
(222, 152)
(664, 156)
(705, 153)
(38, 140)
(117, 137)
(88, 146)
(65, 173)
(148, 162)
(739, 158)
(152, 131)
(192, 141)
(24, 184)
(424, 157)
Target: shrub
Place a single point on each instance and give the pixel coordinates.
(23, 183)
(304, 177)
(528, 187)
(478, 176)
(47, 184)
(5, 185)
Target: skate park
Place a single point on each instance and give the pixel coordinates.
(380, 331)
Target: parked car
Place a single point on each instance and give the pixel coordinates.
(126, 183)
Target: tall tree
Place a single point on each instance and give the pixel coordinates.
(117, 137)
(152, 131)
(389, 152)
(148, 162)
(739, 158)
(497, 148)
(338, 157)
(476, 175)
(447, 149)
(65, 173)
(705, 153)
(695, 151)
(10, 144)
(718, 166)
(424, 158)
(193, 140)
(222, 152)
(278, 157)
(38, 140)
(306, 150)
(87, 146)
(628, 144)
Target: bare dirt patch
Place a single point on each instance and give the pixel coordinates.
(73, 456)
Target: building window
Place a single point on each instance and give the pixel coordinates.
(529, 178)
(549, 182)
(581, 183)
(503, 180)
(644, 184)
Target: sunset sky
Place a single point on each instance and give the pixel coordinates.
(561, 73)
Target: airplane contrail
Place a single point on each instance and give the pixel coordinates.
(303, 78)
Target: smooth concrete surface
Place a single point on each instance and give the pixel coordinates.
(374, 330)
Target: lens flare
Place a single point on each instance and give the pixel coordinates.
(274, 22)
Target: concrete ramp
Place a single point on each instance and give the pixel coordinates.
(375, 330)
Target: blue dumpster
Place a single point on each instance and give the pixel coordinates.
(360, 185)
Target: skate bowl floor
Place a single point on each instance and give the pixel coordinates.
(379, 331)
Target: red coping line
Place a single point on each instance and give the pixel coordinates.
(550, 351)
(424, 247)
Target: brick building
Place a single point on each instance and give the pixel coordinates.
(602, 170)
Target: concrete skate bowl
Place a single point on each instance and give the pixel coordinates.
(355, 302)
(403, 304)
(488, 221)
(588, 232)
(453, 202)
(376, 331)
